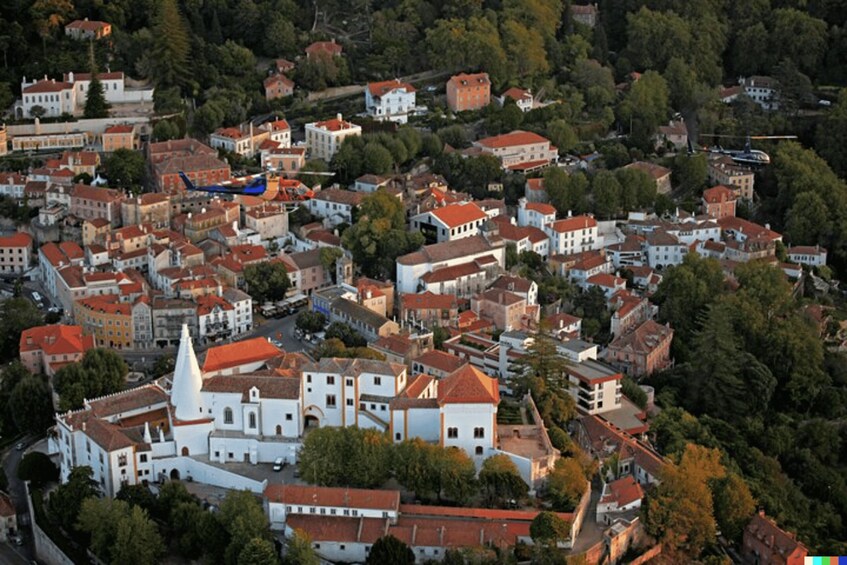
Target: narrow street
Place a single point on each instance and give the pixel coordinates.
(8, 553)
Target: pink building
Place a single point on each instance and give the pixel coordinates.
(46, 349)
(89, 202)
(643, 351)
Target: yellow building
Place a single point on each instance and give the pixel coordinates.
(109, 321)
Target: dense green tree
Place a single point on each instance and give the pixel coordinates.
(349, 336)
(805, 221)
(345, 456)
(100, 372)
(125, 168)
(258, 551)
(299, 551)
(682, 84)
(16, 315)
(606, 192)
(31, 405)
(562, 135)
(267, 281)
(733, 505)
(542, 361)
(680, 511)
(165, 130)
(66, 501)
(654, 37)
(389, 550)
(566, 484)
(832, 128)
(644, 107)
(100, 518)
(467, 43)
(567, 193)
(634, 392)
(376, 159)
(501, 480)
(794, 89)
(375, 245)
(637, 188)
(137, 540)
(548, 530)
(798, 37)
(38, 469)
(524, 49)
(243, 519)
(690, 172)
(168, 59)
(750, 51)
(310, 321)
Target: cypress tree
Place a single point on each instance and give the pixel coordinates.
(171, 48)
(95, 101)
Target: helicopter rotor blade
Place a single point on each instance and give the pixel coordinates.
(773, 137)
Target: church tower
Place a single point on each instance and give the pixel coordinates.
(185, 395)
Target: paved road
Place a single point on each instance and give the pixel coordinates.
(17, 492)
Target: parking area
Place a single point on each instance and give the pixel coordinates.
(259, 472)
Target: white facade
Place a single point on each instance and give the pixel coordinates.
(449, 223)
(573, 235)
(324, 138)
(812, 256)
(390, 101)
(535, 214)
(411, 267)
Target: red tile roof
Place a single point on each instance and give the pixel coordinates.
(387, 500)
(95, 193)
(535, 184)
(718, 194)
(541, 208)
(516, 94)
(119, 129)
(464, 80)
(269, 386)
(55, 340)
(428, 301)
(573, 224)
(107, 303)
(644, 339)
(780, 541)
(623, 491)
(379, 89)
(87, 25)
(239, 353)
(655, 171)
(748, 228)
(334, 124)
(468, 385)
(416, 386)
(606, 280)
(455, 215)
(19, 239)
(440, 360)
(47, 86)
(116, 75)
(329, 47)
(513, 139)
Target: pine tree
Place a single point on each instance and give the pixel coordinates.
(171, 48)
(95, 101)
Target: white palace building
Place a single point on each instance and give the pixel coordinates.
(252, 403)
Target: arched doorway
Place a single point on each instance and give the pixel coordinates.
(184, 452)
(175, 475)
(312, 417)
(279, 430)
(312, 422)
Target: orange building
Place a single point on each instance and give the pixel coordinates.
(46, 349)
(768, 544)
(719, 202)
(468, 92)
(119, 137)
(106, 319)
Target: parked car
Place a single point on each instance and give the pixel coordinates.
(20, 446)
(279, 463)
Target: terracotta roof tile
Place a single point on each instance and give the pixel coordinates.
(440, 360)
(388, 500)
(239, 353)
(468, 385)
(573, 224)
(513, 139)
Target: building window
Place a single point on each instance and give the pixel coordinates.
(288, 417)
(330, 401)
(349, 382)
(308, 378)
(478, 433)
(330, 380)
(252, 418)
(349, 402)
(478, 450)
(227, 415)
(377, 381)
(453, 433)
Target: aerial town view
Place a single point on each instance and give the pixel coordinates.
(390, 282)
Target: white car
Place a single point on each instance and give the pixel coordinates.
(279, 463)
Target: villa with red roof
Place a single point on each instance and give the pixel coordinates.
(239, 357)
(642, 351)
(812, 255)
(278, 86)
(535, 214)
(46, 349)
(618, 497)
(450, 222)
(390, 100)
(766, 543)
(323, 49)
(324, 138)
(429, 309)
(719, 202)
(468, 92)
(522, 98)
(534, 190)
(573, 235)
(15, 252)
(519, 150)
(88, 29)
